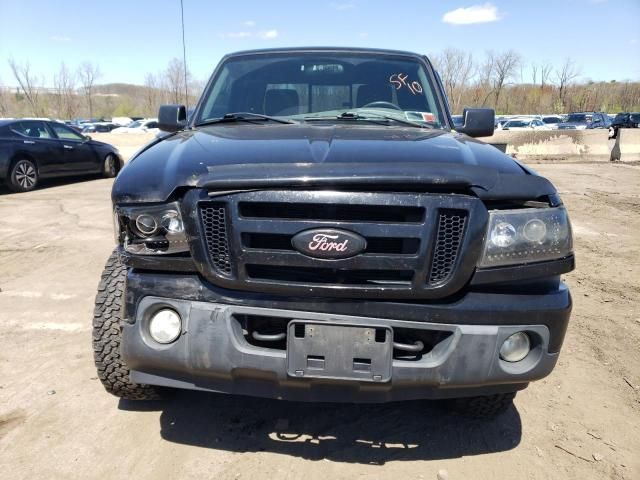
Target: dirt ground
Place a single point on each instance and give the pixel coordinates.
(56, 421)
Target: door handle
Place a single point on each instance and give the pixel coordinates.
(68, 147)
(29, 142)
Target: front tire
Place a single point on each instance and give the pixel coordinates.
(23, 176)
(485, 406)
(110, 167)
(107, 335)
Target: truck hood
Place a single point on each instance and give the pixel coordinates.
(245, 156)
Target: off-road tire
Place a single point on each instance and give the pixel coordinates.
(23, 176)
(107, 335)
(487, 406)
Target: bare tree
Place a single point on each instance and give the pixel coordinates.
(545, 73)
(567, 74)
(174, 76)
(28, 85)
(456, 69)
(64, 83)
(4, 101)
(88, 73)
(485, 74)
(151, 96)
(534, 74)
(505, 67)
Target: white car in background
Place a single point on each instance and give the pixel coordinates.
(147, 125)
(552, 121)
(525, 124)
(121, 121)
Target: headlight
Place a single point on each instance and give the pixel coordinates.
(526, 235)
(151, 230)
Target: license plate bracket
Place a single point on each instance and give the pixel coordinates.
(339, 351)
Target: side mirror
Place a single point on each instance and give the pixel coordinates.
(478, 122)
(87, 138)
(172, 118)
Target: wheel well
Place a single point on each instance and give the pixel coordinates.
(22, 156)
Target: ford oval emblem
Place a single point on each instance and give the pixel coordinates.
(328, 243)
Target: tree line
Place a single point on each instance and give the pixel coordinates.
(503, 81)
(76, 93)
(500, 80)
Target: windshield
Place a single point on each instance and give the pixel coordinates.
(302, 85)
(578, 118)
(135, 124)
(551, 120)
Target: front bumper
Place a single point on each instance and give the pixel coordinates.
(213, 352)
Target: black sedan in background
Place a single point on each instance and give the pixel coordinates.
(35, 149)
(104, 127)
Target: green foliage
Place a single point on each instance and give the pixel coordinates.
(124, 109)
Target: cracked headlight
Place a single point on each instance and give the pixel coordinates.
(526, 235)
(151, 230)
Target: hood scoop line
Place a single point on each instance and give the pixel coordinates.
(275, 175)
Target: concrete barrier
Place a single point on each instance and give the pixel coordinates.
(554, 145)
(627, 147)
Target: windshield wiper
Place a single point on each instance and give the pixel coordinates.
(243, 117)
(371, 117)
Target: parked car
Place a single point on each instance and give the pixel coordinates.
(102, 127)
(139, 126)
(301, 241)
(552, 121)
(34, 149)
(624, 120)
(500, 121)
(122, 121)
(525, 124)
(585, 120)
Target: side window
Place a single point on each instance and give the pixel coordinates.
(152, 125)
(31, 129)
(19, 127)
(65, 133)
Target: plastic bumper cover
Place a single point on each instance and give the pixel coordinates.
(213, 354)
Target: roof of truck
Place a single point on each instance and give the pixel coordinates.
(323, 49)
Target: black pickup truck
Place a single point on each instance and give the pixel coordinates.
(317, 231)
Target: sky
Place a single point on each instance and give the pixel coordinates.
(131, 38)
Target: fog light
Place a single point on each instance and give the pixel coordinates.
(516, 347)
(165, 326)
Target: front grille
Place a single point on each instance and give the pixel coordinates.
(274, 241)
(330, 275)
(415, 242)
(448, 239)
(339, 212)
(214, 224)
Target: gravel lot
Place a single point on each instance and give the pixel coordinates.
(56, 421)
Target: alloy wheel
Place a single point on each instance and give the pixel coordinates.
(25, 174)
